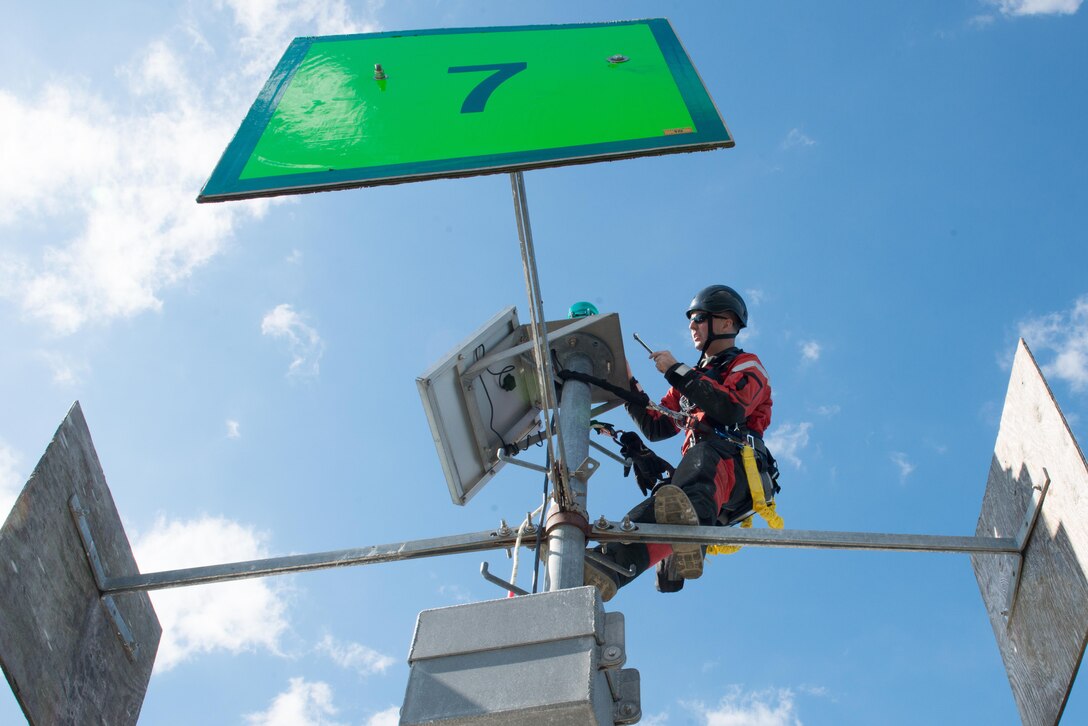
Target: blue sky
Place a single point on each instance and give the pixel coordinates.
(907, 196)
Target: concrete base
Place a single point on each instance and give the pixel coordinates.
(544, 659)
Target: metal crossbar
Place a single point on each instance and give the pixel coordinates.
(610, 532)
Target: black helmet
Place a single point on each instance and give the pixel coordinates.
(720, 299)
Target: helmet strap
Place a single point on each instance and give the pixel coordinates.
(711, 337)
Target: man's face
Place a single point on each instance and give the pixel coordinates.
(699, 321)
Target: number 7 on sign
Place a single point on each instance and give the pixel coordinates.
(477, 97)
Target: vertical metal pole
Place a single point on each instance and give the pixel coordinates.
(566, 539)
(536, 314)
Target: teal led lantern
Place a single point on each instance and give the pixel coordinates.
(582, 310)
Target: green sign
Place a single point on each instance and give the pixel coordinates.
(384, 108)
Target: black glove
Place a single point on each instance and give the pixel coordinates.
(637, 398)
(649, 467)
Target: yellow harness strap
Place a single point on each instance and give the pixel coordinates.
(759, 502)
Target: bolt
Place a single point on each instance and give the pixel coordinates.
(572, 341)
(602, 523)
(618, 58)
(504, 529)
(379, 74)
(626, 524)
(612, 652)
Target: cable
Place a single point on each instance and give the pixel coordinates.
(540, 526)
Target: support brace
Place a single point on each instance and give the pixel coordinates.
(1023, 538)
(120, 627)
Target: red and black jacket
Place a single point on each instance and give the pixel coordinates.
(729, 391)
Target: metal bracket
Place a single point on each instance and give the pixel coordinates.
(1023, 538)
(628, 707)
(508, 586)
(120, 627)
(586, 469)
(613, 652)
(501, 456)
(628, 571)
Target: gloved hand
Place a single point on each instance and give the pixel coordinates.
(649, 467)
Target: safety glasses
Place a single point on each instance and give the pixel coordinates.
(700, 317)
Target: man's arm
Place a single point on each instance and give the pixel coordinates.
(729, 402)
(654, 426)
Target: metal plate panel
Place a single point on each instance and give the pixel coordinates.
(58, 645)
(1043, 642)
(605, 332)
(470, 419)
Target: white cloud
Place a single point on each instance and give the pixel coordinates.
(238, 616)
(11, 480)
(125, 183)
(233, 429)
(269, 25)
(455, 593)
(829, 410)
(1036, 7)
(904, 464)
(754, 296)
(294, 258)
(388, 717)
(355, 656)
(786, 442)
(744, 708)
(304, 703)
(65, 372)
(655, 719)
(797, 139)
(1065, 334)
(304, 343)
(117, 178)
(810, 351)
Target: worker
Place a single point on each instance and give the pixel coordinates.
(725, 397)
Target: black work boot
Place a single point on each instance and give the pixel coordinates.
(602, 578)
(632, 557)
(672, 506)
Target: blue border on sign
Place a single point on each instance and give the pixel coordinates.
(225, 184)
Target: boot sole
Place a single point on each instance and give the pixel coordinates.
(592, 576)
(672, 506)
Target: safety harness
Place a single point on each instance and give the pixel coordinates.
(651, 471)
